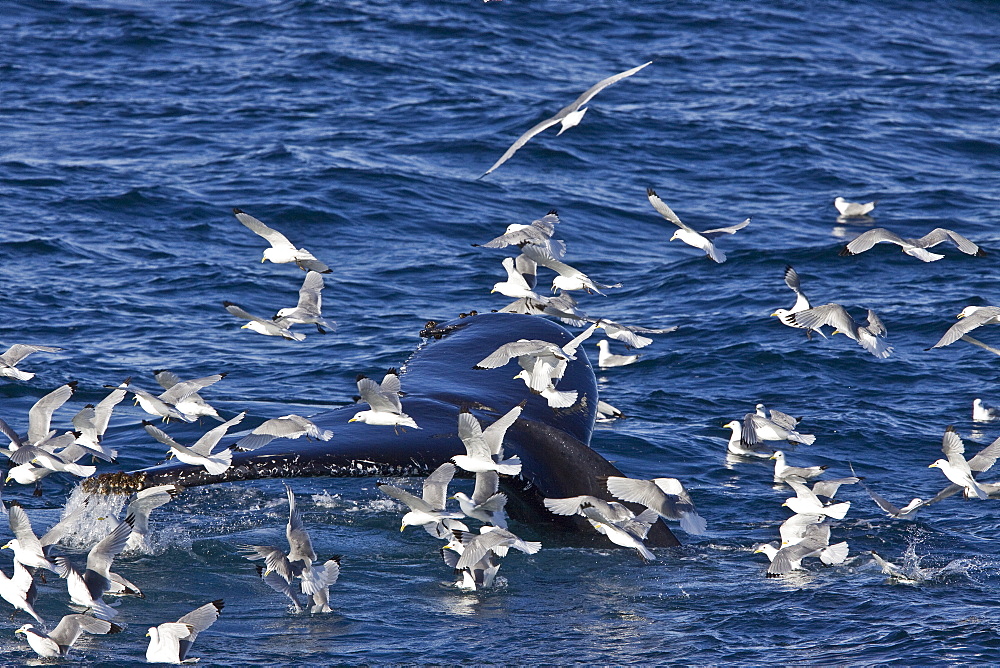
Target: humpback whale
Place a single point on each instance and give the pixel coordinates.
(438, 381)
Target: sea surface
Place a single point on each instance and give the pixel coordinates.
(129, 131)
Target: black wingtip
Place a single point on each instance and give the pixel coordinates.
(981, 252)
(225, 303)
(552, 212)
(237, 210)
(650, 192)
(393, 371)
(844, 252)
(115, 628)
(219, 604)
(360, 377)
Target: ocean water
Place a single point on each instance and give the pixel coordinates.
(130, 130)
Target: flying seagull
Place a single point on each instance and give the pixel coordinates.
(971, 317)
(871, 336)
(688, 234)
(915, 247)
(568, 116)
(282, 251)
(801, 303)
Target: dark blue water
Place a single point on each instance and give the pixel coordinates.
(128, 132)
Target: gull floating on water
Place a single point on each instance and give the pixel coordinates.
(309, 309)
(778, 427)
(915, 247)
(801, 304)
(56, 645)
(783, 471)
(16, 353)
(171, 642)
(871, 336)
(568, 116)
(738, 446)
(262, 325)
(606, 359)
(853, 209)
(282, 251)
(971, 317)
(690, 236)
(383, 400)
(666, 496)
(983, 413)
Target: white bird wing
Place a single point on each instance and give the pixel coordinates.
(664, 210)
(186, 388)
(732, 229)
(504, 353)
(300, 547)
(272, 236)
(103, 409)
(40, 414)
(202, 617)
(101, 555)
(967, 324)
(19, 351)
(588, 94)
(435, 491)
(494, 434)
(166, 378)
(487, 484)
(523, 139)
(875, 325)
(71, 626)
(203, 446)
(20, 526)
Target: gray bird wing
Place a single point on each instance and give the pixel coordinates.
(718, 231)
(507, 351)
(588, 94)
(866, 240)
(985, 458)
(940, 235)
(101, 555)
(664, 210)
(523, 139)
(19, 351)
(198, 619)
(299, 543)
(71, 626)
(159, 434)
(875, 325)
(487, 484)
(494, 434)
(310, 299)
(435, 491)
(831, 314)
(186, 388)
(166, 379)
(372, 394)
(20, 526)
(967, 324)
(411, 501)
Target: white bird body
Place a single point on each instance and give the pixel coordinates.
(16, 353)
(801, 304)
(983, 413)
(914, 247)
(282, 251)
(805, 502)
(386, 408)
(871, 336)
(309, 309)
(782, 471)
(56, 644)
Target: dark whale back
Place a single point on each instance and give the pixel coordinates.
(438, 381)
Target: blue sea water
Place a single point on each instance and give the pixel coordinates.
(128, 131)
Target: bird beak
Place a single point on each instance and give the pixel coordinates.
(930, 466)
(960, 315)
(403, 526)
(774, 314)
(262, 261)
(353, 420)
(773, 457)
